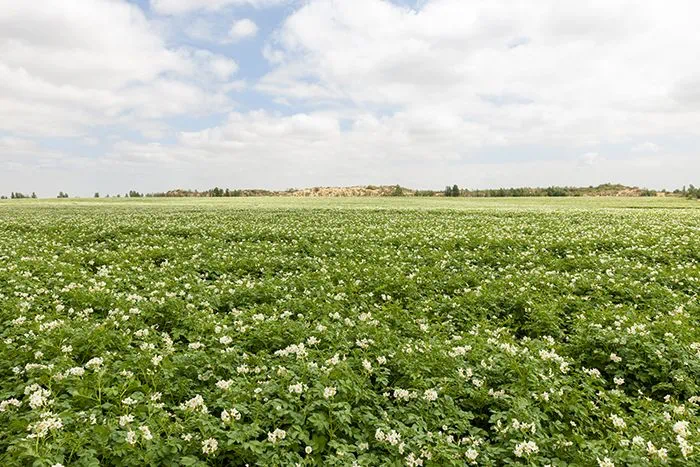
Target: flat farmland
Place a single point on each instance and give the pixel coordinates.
(371, 332)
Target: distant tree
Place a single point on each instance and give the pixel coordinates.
(448, 191)
(455, 190)
(62, 195)
(134, 194)
(397, 191)
(33, 195)
(96, 195)
(692, 192)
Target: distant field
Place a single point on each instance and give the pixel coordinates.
(374, 203)
(350, 331)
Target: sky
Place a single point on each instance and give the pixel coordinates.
(151, 95)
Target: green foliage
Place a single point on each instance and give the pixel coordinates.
(169, 332)
(397, 191)
(692, 192)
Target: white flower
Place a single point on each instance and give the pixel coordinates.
(94, 363)
(131, 437)
(75, 371)
(299, 350)
(329, 392)
(146, 432)
(367, 365)
(661, 453)
(402, 394)
(224, 384)
(681, 428)
(617, 422)
(526, 448)
(605, 462)
(333, 360)
(209, 446)
(393, 438)
(379, 435)
(9, 402)
(225, 340)
(471, 454)
(40, 429)
(615, 359)
(196, 404)
(296, 388)
(276, 435)
(39, 397)
(156, 360)
(430, 395)
(308, 449)
(227, 416)
(459, 351)
(619, 381)
(685, 447)
(125, 420)
(413, 461)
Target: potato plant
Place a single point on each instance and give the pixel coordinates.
(230, 334)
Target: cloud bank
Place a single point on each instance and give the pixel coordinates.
(110, 95)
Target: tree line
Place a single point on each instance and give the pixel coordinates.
(607, 189)
(453, 191)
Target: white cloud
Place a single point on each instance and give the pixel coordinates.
(200, 29)
(206, 64)
(591, 159)
(266, 149)
(646, 147)
(74, 65)
(242, 29)
(582, 73)
(179, 7)
(482, 93)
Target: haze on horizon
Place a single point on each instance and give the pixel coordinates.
(113, 95)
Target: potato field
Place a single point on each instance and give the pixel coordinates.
(349, 333)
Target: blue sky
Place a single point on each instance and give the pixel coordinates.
(114, 95)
